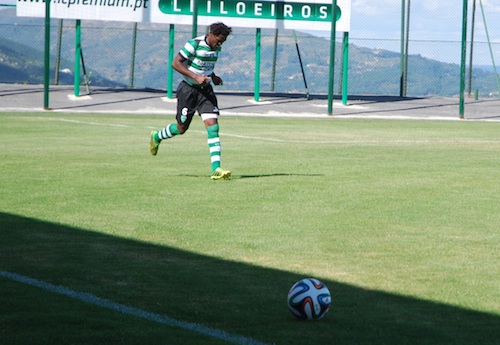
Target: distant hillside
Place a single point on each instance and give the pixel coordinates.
(108, 58)
(25, 65)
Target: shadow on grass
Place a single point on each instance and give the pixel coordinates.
(232, 296)
(237, 177)
(273, 175)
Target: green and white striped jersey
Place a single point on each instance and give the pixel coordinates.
(200, 58)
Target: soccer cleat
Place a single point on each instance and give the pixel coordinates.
(220, 173)
(153, 144)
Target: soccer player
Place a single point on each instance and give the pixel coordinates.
(196, 62)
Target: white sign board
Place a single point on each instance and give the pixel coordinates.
(288, 14)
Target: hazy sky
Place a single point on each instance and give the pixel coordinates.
(430, 20)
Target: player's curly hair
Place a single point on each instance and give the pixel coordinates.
(220, 28)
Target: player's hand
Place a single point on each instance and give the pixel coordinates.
(202, 80)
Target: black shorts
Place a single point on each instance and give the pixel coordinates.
(191, 99)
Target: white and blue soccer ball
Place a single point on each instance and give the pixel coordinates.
(309, 299)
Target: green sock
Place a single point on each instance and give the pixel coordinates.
(214, 145)
(168, 132)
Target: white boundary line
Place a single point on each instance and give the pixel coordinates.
(124, 309)
(271, 113)
(346, 142)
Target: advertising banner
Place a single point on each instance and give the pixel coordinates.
(308, 15)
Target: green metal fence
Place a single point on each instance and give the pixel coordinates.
(133, 55)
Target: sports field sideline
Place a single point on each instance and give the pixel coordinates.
(15, 97)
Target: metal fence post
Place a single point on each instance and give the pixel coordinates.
(257, 65)
(332, 57)
(46, 75)
(132, 63)
(462, 63)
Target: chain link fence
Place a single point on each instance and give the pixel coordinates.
(130, 55)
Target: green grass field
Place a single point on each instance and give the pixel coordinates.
(400, 219)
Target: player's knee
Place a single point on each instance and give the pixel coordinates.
(213, 131)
